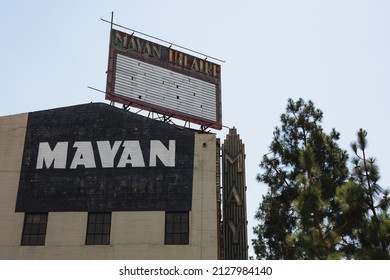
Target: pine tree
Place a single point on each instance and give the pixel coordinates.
(312, 210)
(371, 227)
(315, 235)
(303, 170)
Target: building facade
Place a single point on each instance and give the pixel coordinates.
(97, 182)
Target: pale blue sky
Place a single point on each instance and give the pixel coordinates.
(334, 52)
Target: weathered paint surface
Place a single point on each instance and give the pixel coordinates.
(96, 157)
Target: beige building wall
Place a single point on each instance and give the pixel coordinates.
(134, 235)
(12, 134)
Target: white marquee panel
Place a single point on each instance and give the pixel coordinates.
(165, 88)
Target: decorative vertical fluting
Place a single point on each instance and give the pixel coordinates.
(234, 198)
(219, 200)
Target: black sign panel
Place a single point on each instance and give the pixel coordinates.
(99, 158)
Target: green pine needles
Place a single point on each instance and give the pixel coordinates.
(315, 208)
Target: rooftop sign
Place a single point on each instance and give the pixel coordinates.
(160, 79)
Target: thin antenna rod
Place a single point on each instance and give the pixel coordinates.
(112, 19)
(161, 40)
(99, 90)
